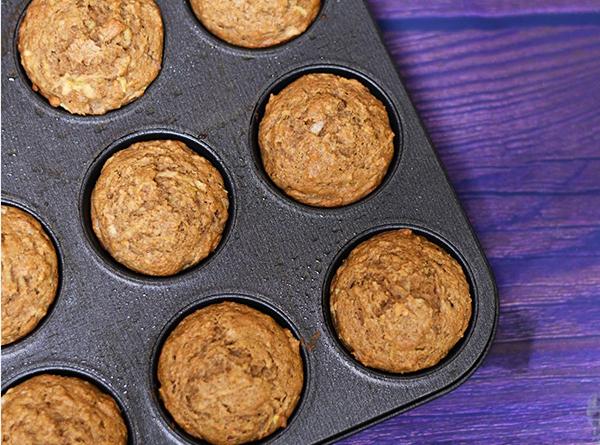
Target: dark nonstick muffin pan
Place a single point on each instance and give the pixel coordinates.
(108, 323)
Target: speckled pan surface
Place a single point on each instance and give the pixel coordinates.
(107, 323)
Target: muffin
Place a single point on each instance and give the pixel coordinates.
(230, 374)
(29, 273)
(326, 141)
(91, 56)
(256, 23)
(399, 303)
(158, 207)
(56, 410)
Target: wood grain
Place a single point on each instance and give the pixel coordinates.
(452, 8)
(510, 94)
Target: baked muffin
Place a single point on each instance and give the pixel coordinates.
(230, 374)
(29, 273)
(56, 410)
(400, 303)
(326, 141)
(256, 23)
(158, 207)
(91, 56)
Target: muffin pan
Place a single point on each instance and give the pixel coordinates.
(278, 255)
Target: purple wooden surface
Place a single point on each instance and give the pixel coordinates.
(512, 104)
(455, 8)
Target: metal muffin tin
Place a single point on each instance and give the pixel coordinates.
(107, 324)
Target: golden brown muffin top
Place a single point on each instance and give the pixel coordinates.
(91, 56)
(29, 273)
(325, 140)
(256, 23)
(230, 374)
(56, 410)
(158, 207)
(400, 303)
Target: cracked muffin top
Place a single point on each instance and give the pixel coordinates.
(57, 410)
(29, 273)
(399, 303)
(230, 374)
(325, 140)
(158, 207)
(256, 23)
(91, 56)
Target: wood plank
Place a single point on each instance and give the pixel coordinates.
(390, 9)
(506, 97)
(533, 359)
(578, 318)
(510, 211)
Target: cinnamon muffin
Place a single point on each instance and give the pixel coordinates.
(91, 56)
(158, 207)
(55, 410)
(230, 374)
(325, 140)
(256, 23)
(399, 303)
(29, 273)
